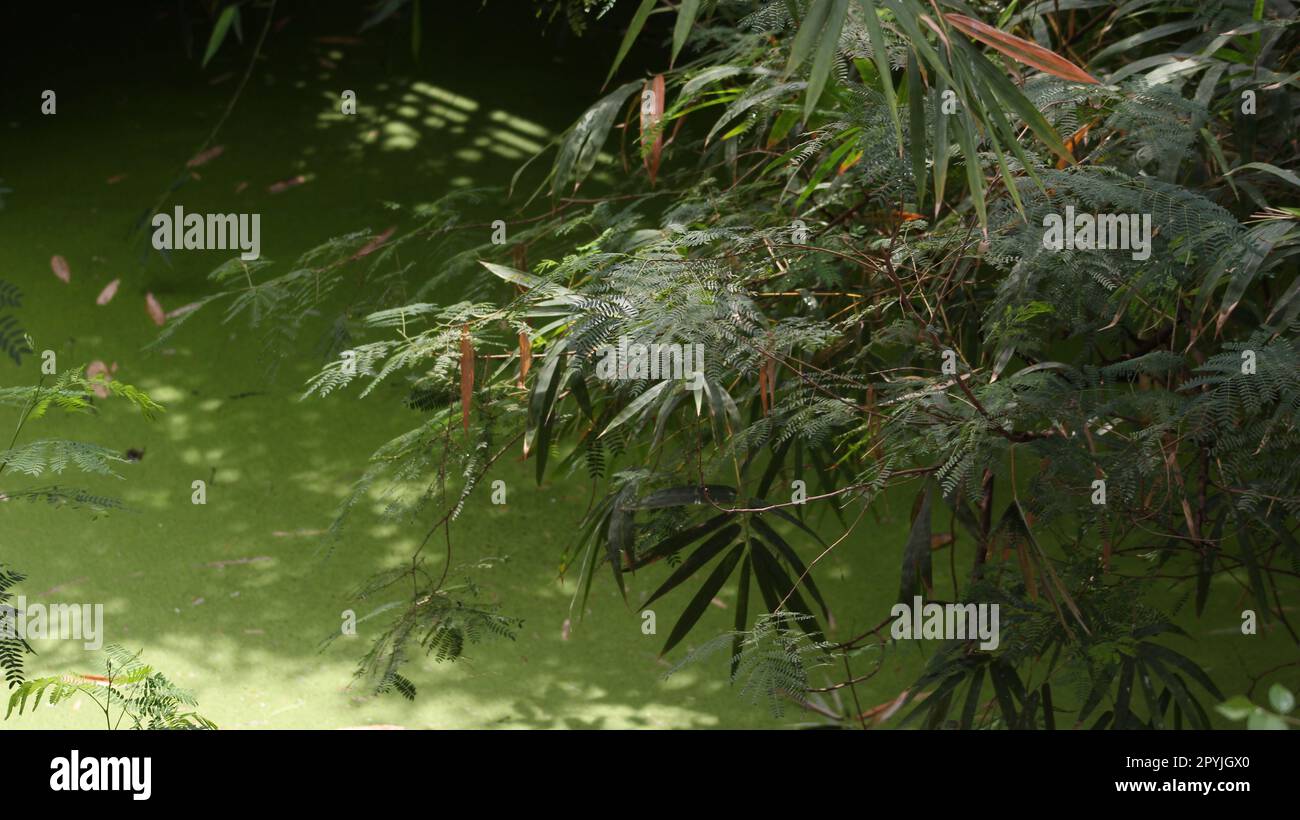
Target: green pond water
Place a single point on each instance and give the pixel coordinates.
(232, 598)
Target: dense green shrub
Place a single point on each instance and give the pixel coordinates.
(849, 207)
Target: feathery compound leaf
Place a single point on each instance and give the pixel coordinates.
(55, 455)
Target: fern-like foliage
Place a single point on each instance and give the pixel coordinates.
(849, 222)
(13, 647)
(439, 621)
(130, 694)
(774, 661)
(55, 455)
(14, 341)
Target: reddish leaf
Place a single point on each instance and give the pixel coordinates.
(206, 156)
(286, 184)
(525, 357)
(156, 311)
(1075, 140)
(98, 368)
(374, 244)
(182, 310)
(466, 375)
(652, 111)
(771, 382)
(106, 295)
(1031, 54)
(60, 267)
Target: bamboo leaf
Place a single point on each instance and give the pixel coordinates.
(229, 15)
(1031, 54)
(807, 35)
(636, 404)
(916, 109)
(1015, 99)
(940, 147)
(697, 559)
(543, 395)
(1280, 173)
(1148, 651)
(634, 28)
(1252, 569)
(827, 47)
(773, 538)
(681, 539)
(916, 552)
(708, 590)
(686, 15)
(581, 145)
(880, 56)
(972, 699)
(742, 615)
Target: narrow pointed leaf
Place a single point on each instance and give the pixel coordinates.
(686, 15)
(708, 590)
(1031, 54)
(634, 28)
(701, 556)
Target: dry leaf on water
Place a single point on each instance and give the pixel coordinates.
(286, 184)
(98, 368)
(60, 267)
(106, 295)
(182, 310)
(156, 311)
(205, 157)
